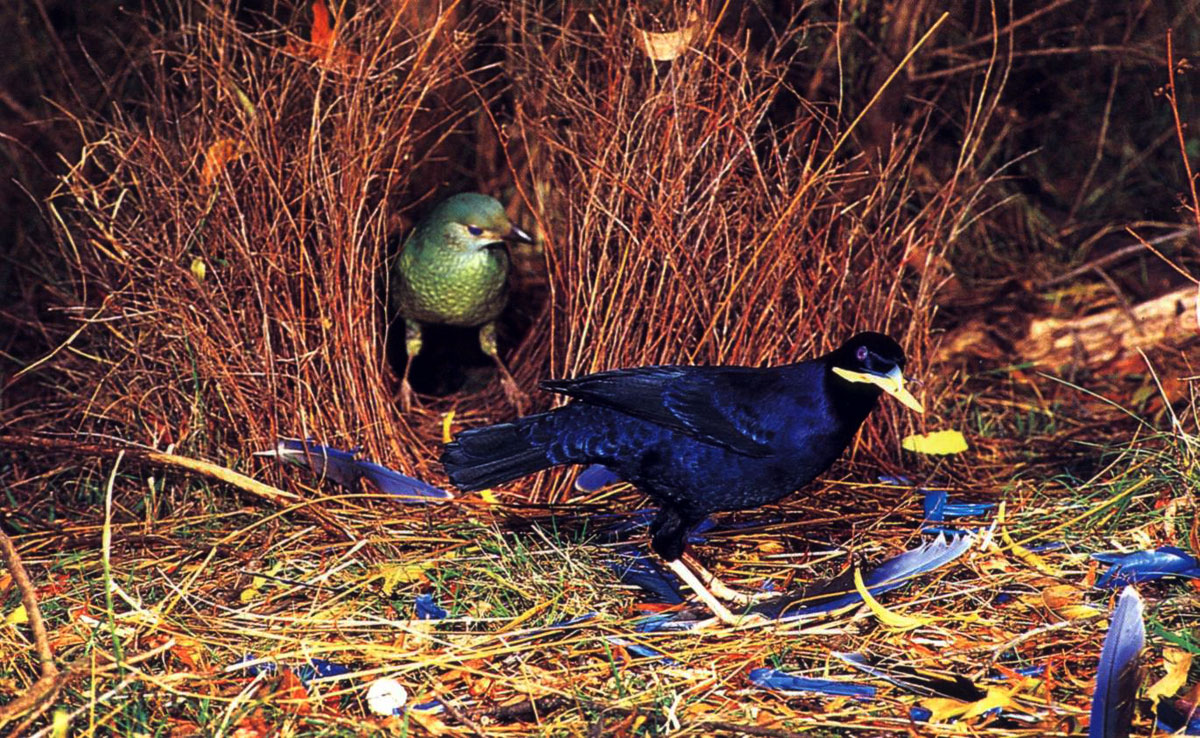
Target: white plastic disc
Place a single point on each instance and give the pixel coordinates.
(386, 696)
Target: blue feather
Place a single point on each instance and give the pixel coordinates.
(393, 482)
(935, 505)
(320, 669)
(345, 468)
(780, 681)
(918, 681)
(1143, 566)
(322, 461)
(966, 509)
(1117, 677)
(427, 609)
(640, 570)
(640, 651)
(594, 477)
(895, 572)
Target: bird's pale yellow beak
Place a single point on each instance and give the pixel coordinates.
(891, 383)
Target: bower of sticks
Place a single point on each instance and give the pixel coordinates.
(210, 196)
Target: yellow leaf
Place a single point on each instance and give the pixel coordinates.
(667, 46)
(220, 153)
(890, 619)
(447, 419)
(939, 443)
(249, 595)
(1064, 600)
(60, 724)
(1022, 553)
(244, 101)
(394, 574)
(1177, 662)
(17, 617)
(944, 708)
(488, 496)
(199, 269)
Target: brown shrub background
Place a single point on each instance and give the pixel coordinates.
(717, 208)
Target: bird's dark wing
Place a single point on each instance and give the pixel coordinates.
(735, 407)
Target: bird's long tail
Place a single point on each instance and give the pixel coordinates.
(484, 457)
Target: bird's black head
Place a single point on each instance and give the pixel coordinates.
(875, 360)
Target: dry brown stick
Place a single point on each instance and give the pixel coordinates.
(746, 729)
(447, 702)
(48, 683)
(241, 481)
(271, 494)
(529, 709)
(1091, 340)
(1118, 255)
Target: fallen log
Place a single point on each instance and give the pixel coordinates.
(1091, 340)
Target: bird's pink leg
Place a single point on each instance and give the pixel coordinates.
(513, 393)
(722, 590)
(721, 611)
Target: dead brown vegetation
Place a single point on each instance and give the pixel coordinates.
(787, 177)
(228, 237)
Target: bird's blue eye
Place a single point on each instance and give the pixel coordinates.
(862, 353)
(474, 230)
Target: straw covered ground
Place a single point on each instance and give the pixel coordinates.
(709, 184)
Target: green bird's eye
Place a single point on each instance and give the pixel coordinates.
(474, 230)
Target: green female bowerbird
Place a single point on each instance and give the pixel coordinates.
(453, 270)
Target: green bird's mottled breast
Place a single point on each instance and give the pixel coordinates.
(439, 279)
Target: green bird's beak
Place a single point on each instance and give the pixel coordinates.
(518, 235)
(891, 383)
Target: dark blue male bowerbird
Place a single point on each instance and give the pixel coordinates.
(696, 439)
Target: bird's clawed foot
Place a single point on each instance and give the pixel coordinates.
(738, 622)
(405, 396)
(487, 342)
(722, 590)
(723, 614)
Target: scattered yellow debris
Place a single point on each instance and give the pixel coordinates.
(393, 574)
(1177, 663)
(938, 443)
(945, 708)
(61, 724)
(890, 619)
(1022, 553)
(1065, 601)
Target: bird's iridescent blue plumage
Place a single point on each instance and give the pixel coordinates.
(695, 439)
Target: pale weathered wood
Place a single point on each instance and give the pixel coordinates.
(1091, 340)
